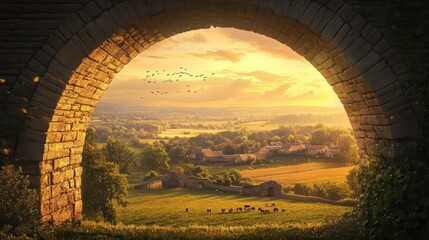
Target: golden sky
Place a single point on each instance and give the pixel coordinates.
(220, 67)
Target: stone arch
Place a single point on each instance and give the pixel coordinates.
(83, 55)
(270, 192)
(201, 185)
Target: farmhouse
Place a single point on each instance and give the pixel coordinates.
(292, 148)
(239, 158)
(317, 150)
(331, 153)
(206, 154)
(279, 144)
(261, 153)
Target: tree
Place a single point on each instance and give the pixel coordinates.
(19, 205)
(318, 136)
(118, 152)
(154, 157)
(352, 181)
(228, 150)
(198, 171)
(348, 148)
(103, 187)
(177, 153)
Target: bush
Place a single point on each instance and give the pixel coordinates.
(301, 189)
(149, 175)
(331, 191)
(19, 205)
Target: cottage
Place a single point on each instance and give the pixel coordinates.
(331, 153)
(279, 144)
(292, 148)
(239, 158)
(262, 153)
(317, 150)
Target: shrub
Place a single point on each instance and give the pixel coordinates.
(150, 175)
(331, 191)
(19, 205)
(301, 189)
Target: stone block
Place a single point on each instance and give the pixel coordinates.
(61, 162)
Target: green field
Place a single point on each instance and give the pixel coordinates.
(166, 207)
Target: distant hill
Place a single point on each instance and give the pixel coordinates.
(287, 114)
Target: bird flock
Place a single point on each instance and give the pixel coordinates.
(154, 77)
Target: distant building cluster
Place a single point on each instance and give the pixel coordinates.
(327, 150)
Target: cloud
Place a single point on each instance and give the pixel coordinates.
(228, 55)
(189, 37)
(155, 56)
(277, 93)
(262, 43)
(223, 92)
(300, 96)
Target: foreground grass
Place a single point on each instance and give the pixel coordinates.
(344, 229)
(166, 207)
(308, 173)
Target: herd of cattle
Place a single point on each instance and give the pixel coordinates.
(248, 208)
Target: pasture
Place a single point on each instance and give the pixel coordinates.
(308, 173)
(166, 207)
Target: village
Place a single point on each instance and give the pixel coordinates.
(327, 150)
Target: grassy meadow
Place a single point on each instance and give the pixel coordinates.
(308, 173)
(166, 207)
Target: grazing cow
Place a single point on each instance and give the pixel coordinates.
(209, 210)
(223, 210)
(273, 204)
(284, 210)
(275, 209)
(187, 210)
(246, 206)
(252, 208)
(230, 210)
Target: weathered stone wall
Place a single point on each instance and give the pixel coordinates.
(270, 188)
(58, 58)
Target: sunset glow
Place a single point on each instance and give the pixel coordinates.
(241, 68)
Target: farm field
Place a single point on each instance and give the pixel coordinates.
(216, 168)
(308, 173)
(166, 207)
(186, 132)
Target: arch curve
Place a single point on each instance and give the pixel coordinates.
(83, 55)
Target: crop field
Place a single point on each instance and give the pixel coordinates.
(186, 132)
(166, 207)
(308, 173)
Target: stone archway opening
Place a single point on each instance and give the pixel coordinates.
(96, 43)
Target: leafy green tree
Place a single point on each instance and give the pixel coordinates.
(177, 153)
(103, 187)
(192, 170)
(348, 148)
(154, 157)
(19, 204)
(118, 152)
